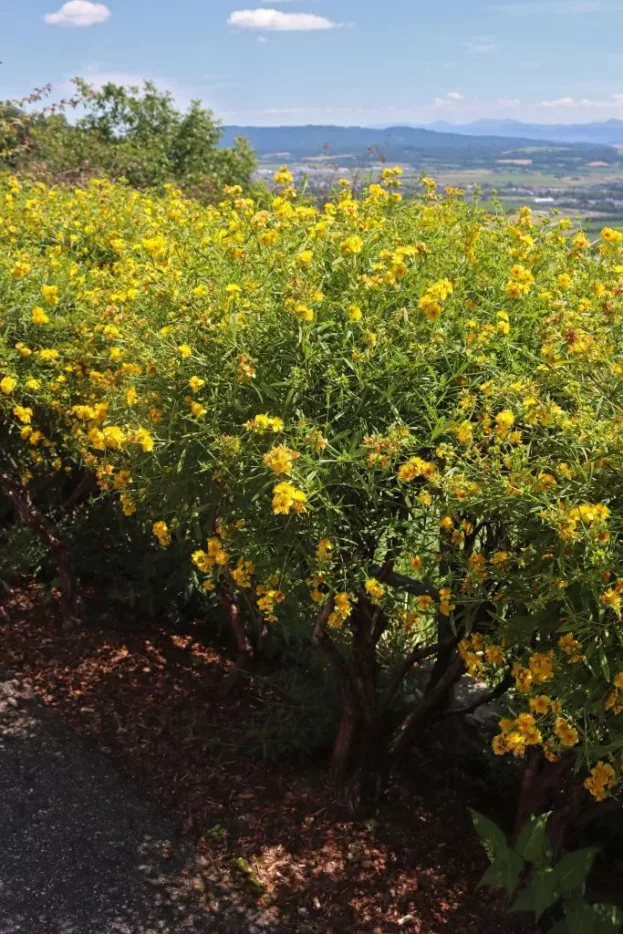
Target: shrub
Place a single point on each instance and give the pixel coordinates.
(397, 423)
(122, 132)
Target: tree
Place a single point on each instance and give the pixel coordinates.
(124, 132)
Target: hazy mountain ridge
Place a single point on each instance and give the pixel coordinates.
(406, 143)
(607, 132)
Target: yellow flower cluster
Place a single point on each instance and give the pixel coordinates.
(419, 378)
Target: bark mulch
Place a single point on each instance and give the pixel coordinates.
(153, 700)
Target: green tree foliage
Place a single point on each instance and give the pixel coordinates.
(122, 132)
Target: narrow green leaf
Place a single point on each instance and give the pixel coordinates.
(573, 869)
(489, 832)
(540, 895)
(505, 870)
(580, 918)
(605, 665)
(559, 928)
(533, 843)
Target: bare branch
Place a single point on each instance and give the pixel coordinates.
(419, 653)
(485, 698)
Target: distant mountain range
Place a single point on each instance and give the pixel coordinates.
(609, 132)
(420, 146)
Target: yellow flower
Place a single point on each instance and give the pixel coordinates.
(50, 294)
(341, 610)
(505, 420)
(353, 312)
(142, 436)
(161, 531)
(601, 779)
(127, 506)
(280, 459)
(122, 479)
(197, 409)
(540, 704)
(500, 745)
(38, 316)
(243, 573)
(324, 549)
(283, 176)
(351, 245)
(570, 645)
(23, 414)
(262, 424)
(566, 733)
(416, 467)
(155, 245)
(612, 599)
(287, 498)
(195, 383)
(541, 667)
(8, 384)
(184, 350)
(523, 678)
(374, 590)
(464, 433)
(21, 269)
(494, 654)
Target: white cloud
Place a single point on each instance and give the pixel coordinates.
(482, 48)
(449, 101)
(78, 13)
(559, 102)
(585, 103)
(277, 21)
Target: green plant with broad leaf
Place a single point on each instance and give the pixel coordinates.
(554, 890)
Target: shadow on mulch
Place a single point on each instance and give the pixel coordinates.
(153, 700)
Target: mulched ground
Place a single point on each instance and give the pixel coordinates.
(153, 700)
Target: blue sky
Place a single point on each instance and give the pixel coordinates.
(332, 61)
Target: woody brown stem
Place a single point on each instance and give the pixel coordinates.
(30, 514)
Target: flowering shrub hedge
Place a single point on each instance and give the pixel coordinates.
(397, 421)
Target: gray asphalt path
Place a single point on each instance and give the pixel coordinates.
(82, 851)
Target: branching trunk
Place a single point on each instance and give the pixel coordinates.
(30, 514)
(543, 788)
(434, 700)
(245, 653)
(348, 729)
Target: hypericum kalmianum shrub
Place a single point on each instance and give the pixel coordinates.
(398, 423)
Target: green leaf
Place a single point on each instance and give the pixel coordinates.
(540, 895)
(533, 843)
(492, 836)
(605, 666)
(580, 918)
(573, 869)
(559, 928)
(609, 918)
(505, 870)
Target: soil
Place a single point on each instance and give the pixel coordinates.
(155, 701)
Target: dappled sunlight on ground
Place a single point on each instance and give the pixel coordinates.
(154, 700)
